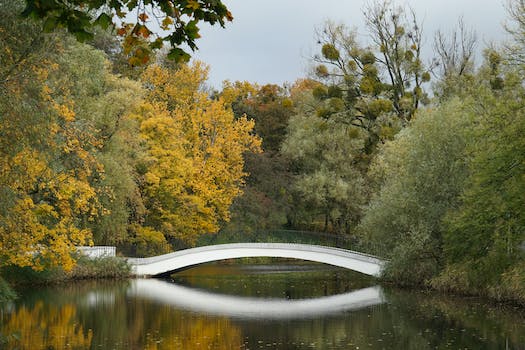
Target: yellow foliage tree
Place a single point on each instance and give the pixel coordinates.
(195, 147)
(46, 154)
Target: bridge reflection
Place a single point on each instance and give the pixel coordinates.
(245, 307)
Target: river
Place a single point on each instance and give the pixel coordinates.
(254, 305)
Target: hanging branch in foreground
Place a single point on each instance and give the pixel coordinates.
(135, 21)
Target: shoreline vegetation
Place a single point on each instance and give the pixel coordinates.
(114, 268)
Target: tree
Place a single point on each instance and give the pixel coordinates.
(327, 183)
(486, 231)
(376, 88)
(455, 52)
(178, 18)
(399, 39)
(269, 106)
(420, 176)
(195, 147)
(516, 48)
(454, 65)
(264, 203)
(102, 103)
(46, 154)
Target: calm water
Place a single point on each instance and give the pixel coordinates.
(254, 306)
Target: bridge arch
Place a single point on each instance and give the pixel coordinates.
(182, 259)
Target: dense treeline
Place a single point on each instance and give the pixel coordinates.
(420, 163)
(428, 174)
(90, 156)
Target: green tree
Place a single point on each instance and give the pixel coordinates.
(420, 176)
(269, 106)
(516, 28)
(454, 65)
(265, 202)
(327, 183)
(102, 105)
(377, 87)
(485, 233)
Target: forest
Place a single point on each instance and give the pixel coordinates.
(111, 136)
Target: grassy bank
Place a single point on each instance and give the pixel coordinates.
(508, 286)
(461, 280)
(86, 268)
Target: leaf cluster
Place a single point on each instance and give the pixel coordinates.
(179, 18)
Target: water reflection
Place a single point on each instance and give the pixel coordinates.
(259, 308)
(136, 315)
(101, 316)
(44, 326)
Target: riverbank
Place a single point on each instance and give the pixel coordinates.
(86, 268)
(508, 288)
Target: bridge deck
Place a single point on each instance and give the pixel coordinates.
(162, 264)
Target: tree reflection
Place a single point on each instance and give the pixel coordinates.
(196, 333)
(156, 326)
(44, 326)
(102, 315)
(108, 316)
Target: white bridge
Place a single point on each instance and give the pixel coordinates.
(183, 259)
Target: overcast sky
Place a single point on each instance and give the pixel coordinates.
(270, 41)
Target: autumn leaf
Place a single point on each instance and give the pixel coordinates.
(166, 22)
(193, 4)
(143, 17)
(122, 31)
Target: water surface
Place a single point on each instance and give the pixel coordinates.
(282, 305)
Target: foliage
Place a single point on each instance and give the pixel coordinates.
(376, 88)
(421, 175)
(195, 153)
(512, 285)
(46, 153)
(102, 102)
(327, 183)
(147, 242)
(178, 18)
(488, 227)
(67, 147)
(6, 292)
(515, 49)
(363, 97)
(85, 268)
(269, 106)
(448, 211)
(264, 203)
(100, 268)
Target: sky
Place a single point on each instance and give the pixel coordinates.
(271, 41)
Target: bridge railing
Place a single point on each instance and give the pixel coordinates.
(266, 236)
(279, 236)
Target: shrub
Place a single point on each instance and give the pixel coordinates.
(6, 293)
